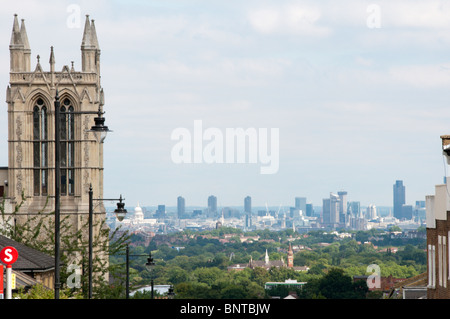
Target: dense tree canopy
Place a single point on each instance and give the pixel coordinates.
(199, 269)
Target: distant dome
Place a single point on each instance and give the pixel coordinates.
(138, 214)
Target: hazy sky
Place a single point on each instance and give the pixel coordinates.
(359, 91)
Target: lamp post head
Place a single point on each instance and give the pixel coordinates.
(99, 129)
(150, 264)
(171, 294)
(120, 211)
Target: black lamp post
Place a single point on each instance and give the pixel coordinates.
(149, 261)
(171, 294)
(100, 131)
(150, 264)
(120, 213)
(57, 194)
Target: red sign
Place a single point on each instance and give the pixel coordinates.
(9, 255)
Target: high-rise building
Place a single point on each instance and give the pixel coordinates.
(399, 199)
(309, 210)
(161, 212)
(407, 212)
(300, 204)
(326, 219)
(343, 202)
(212, 205)
(371, 212)
(181, 207)
(334, 209)
(248, 204)
(248, 212)
(353, 208)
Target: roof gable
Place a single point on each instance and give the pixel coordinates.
(29, 258)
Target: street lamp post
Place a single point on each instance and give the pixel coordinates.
(171, 294)
(57, 194)
(150, 264)
(127, 262)
(120, 212)
(100, 131)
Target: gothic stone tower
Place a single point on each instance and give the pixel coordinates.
(30, 97)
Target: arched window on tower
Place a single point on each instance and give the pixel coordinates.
(40, 148)
(67, 148)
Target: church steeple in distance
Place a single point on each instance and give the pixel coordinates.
(290, 257)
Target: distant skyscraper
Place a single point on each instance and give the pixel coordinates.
(161, 212)
(248, 204)
(334, 208)
(300, 203)
(326, 211)
(342, 207)
(181, 206)
(407, 212)
(309, 209)
(399, 199)
(371, 212)
(354, 209)
(343, 202)
(212, 204)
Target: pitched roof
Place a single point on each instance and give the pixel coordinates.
(29, 259)
(22, 280)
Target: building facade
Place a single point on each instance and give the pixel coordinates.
(30, 98)
(438, 238)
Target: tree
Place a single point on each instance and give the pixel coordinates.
(337, 285)
(38, 232)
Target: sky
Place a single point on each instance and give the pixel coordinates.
(358, 92)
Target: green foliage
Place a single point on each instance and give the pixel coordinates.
(199, 271)
(40, 292)
(38, 232)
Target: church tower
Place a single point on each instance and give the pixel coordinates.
(290, 257)
(30, 98)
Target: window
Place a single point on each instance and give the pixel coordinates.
(448, 255)
(440, 265)
(40, 148)
(431, 266)
(444, 261)
(67, 132)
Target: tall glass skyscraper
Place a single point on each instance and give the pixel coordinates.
(399, 199)
(212, 204)
(248, 211)
(181, 206)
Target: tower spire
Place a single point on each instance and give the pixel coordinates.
(19, 48)
(52, 59)
(93, 36)
(16, 38)
(90, 52)
(86, 42)
(52, 67)
(24, 36)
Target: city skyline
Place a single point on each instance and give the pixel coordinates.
(339, 199)
(353, 90)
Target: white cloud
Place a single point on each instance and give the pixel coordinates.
(422, 76)
(418, 14)
(288, 19)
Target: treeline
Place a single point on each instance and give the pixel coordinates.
(195, 263)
